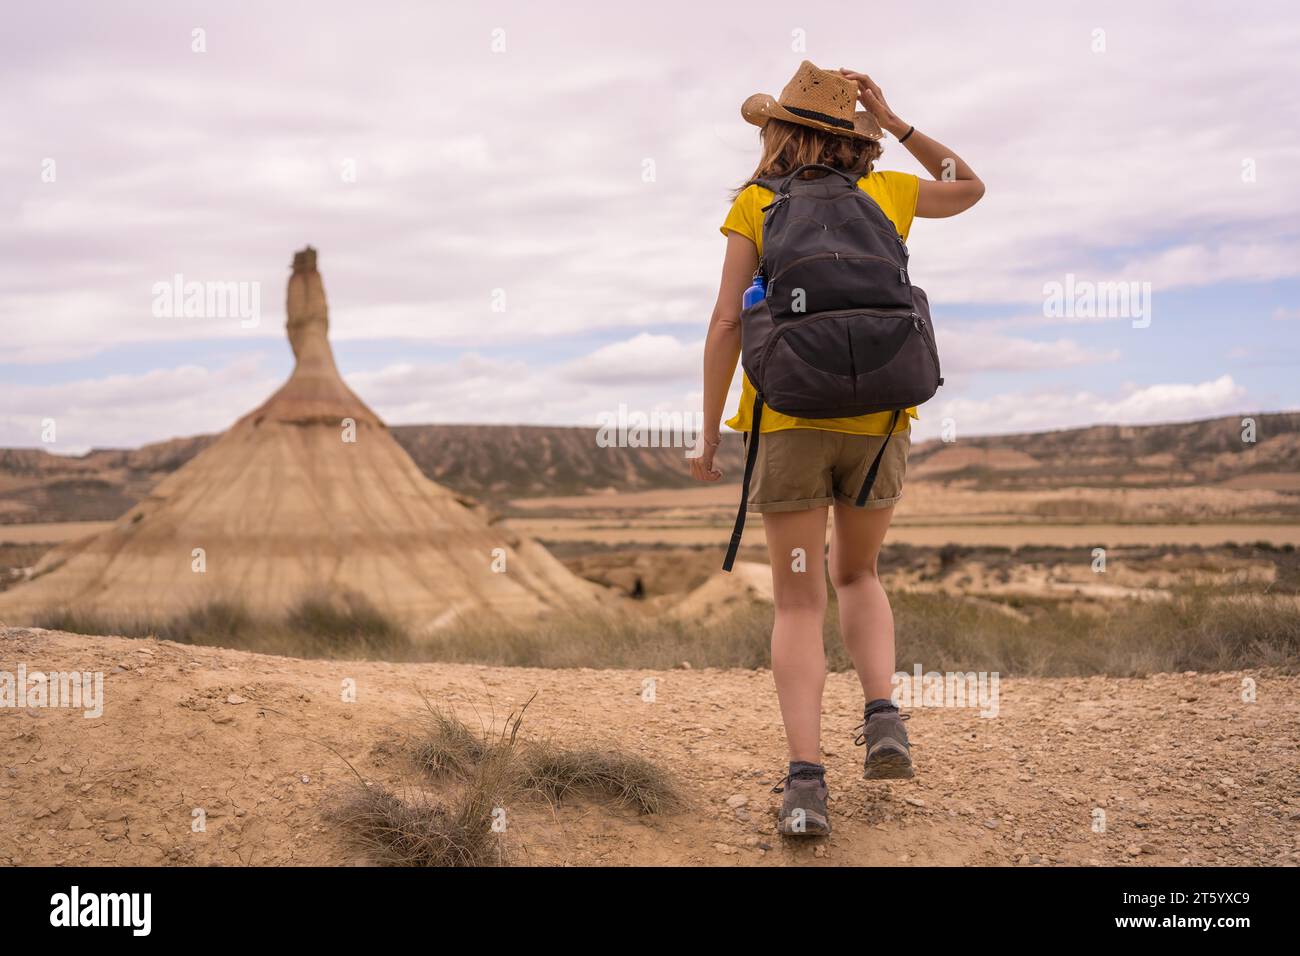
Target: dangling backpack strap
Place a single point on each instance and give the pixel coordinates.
(875, 464)
(751, 456)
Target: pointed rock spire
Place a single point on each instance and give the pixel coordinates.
(315, 393)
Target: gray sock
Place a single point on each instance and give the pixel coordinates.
(802, 768)
(876, 706)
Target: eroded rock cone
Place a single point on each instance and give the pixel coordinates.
(307, 496)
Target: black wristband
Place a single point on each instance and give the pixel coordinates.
(910, 131)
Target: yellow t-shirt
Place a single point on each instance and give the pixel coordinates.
(896, 195)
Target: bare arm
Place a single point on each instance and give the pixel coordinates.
(955, 187)
(722, 346)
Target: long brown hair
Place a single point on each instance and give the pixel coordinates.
(787, 146)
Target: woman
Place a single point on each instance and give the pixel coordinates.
(807, 466)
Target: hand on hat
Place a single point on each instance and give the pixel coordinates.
(873, 100)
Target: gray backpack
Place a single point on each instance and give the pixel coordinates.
(842, 331)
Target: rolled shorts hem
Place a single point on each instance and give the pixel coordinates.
(870, 503)
(801, 504)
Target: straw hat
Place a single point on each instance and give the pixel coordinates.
(818, 98)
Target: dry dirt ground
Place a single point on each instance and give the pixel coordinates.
(1185, 772)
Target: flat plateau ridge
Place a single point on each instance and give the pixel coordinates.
(496, 463)
(1183, 771)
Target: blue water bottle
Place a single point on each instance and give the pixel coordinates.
(755, 293)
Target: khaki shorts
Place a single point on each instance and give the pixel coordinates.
(802, 468)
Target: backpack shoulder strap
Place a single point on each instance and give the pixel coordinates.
(751, 456)
(875, 462)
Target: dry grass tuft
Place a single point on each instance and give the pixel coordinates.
(447, 745)
(457, 832)
(625, 779)
(414, 832)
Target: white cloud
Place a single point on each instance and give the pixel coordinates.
(529, 178)
(971, 349)
(123, 411)
(644, 359)
(1067, 408)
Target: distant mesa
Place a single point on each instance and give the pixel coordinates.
(308, 494)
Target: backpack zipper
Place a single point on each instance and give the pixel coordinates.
(925, 337)
(826, 255)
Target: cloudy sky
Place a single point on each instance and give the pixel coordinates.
(516, 205)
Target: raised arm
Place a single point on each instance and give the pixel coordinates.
(955, 187)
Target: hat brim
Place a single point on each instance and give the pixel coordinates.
(761, 107)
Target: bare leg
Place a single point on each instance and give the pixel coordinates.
(866, 621)
(798, 656)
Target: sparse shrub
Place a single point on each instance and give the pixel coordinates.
(626, 779)
(344, 624)
(489, 771)
(417, 831)
(1196, 628)
(446, 744)
(344, 627)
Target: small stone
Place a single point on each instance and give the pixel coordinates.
(914, 801)
(725, 848)
(78, 821)
(65, 768)
(737, 800)
(236, 699)
(992, 824)
(1134, 851)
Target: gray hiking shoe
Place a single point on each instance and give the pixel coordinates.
(889, 754)
(803, 808)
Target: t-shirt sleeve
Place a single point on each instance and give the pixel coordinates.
(742, 218)
(902, 190)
